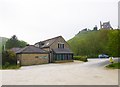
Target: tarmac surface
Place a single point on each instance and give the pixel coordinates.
(92, 72)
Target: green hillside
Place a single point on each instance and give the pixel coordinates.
(93, 43)
(2, 42)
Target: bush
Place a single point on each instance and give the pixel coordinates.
(7, 64)
(80, 58)
(11, 67)
(9, 56)
(0, 66)
(9, 60)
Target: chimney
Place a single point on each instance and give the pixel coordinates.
(28, 45)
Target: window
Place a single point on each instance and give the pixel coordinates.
(58, 57)
(37, 45)
(47, 43)
(69, 56)
(36, 56)
(62, 57)
(60, 45)
(65, 56)
(44, 57)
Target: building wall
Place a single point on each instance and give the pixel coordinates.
(49, 56)
(33, 59)
(55, 45)
(61, 40)
(47, 49)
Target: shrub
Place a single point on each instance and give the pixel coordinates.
(9, 60)
(80, 58)
(0, 66)
(111, 65)
(8, 56)
(11, 67)
(7, 64)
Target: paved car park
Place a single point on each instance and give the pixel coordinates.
(73, 73)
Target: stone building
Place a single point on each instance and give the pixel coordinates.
(58, 48)
(31, 55)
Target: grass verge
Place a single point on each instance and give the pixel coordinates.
(114, 66)
(10, 67)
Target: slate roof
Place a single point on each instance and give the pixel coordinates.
(31, 49)
(15, 49)
(62, 51)
(48, 42)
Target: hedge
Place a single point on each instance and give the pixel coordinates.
(81, 58)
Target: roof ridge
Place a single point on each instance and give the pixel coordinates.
(53, 42)
(39, 48)
(23, 49)
(31, 48)
(51, 38)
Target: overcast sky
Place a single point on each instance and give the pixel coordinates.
(37, 20)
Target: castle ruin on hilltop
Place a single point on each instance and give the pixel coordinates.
(105, 25)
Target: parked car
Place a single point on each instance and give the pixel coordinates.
(103, 56)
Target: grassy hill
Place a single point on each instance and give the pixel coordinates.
(93, 43)
(2, 42)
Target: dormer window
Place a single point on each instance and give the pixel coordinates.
(42, 43)
(60, 45)
(47, 43)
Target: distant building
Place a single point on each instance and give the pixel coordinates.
(105, 25)
(95, 28)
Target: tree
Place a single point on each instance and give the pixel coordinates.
(22, 44)
(114, 43)
(14, 42)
